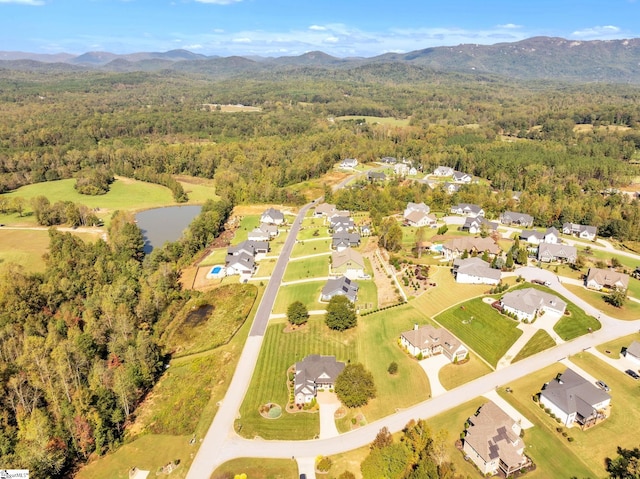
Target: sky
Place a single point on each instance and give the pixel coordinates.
(272, 28)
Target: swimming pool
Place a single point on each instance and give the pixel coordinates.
(437, 248)
(218, 271)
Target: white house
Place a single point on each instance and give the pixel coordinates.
(478, 224)
(475, 271)
(551, 236)
(443, 171)
(348, 263)
(548, 252)
(528, 302)
(492, 441)
(460, 177)
(315, 372)
(411, 207)
(419, 219)
(341, 286)
(581, 231)
(467, 209)
(450, 188)
(349, 163)
(242, 264)
(428, 341)
(532, 236)
(272, 216)
(633, 352)
(575, 400)
(599, 279)
(515, 218)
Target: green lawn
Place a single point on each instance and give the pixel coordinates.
(257, 469)
(615, 347)
(217, 256)
(630, 310)
(313, 228)
(305, 248)
(482, 328)
(453, 375)
(538, 342)
(367, 295)
(307, 293)
(307, 268)
(606, 256)
(634, 288)
(247, 223)
(552, 453)
(199, 190)
(265, 267)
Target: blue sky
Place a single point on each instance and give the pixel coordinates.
(291, 27)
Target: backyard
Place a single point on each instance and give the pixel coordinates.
(629, 311)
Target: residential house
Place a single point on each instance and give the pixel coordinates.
(548, 252)
(527, 303)
(366, 230)
(411, 207)
(443, 171)
(599, 279)
(313, 373)
(460, 177)
(419, 219)
(390, 160)
(324, 210)
(532, 236)
(575, 400)
(349, 163)
(258, 235)
(272, 217)
(341, 286)
(341, 224)
(342, 241)
(451, 188)
(518, 219)
(516, 195)
(633, 352)
(492, 441)
(552, 236)
(376, 176)
(348, 263)
(401, 169)
(478, 225)
(428, 341)
(252, 248)
(242, 264)
(413, 171)
(475, 271)
(467, 209)
(581, 231)
(454, 248)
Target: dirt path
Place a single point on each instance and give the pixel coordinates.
(386, 287)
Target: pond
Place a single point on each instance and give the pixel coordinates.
(160, 225)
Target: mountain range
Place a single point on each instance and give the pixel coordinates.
(539, 58)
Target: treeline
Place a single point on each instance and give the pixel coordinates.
(78, 343)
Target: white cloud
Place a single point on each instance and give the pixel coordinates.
(605, 31)
(318, 28)
(332, 40)
(219, 2)
(24, 2)
(241, 40)
(509, 26)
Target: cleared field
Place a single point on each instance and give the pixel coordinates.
(367, 295)
(307, 293)
(247, 223)
(307, 268)
(446, 293)
(382, 120)
(258, 469)
(630, 310)
(538, 342)
(482, 328)
(306, 248)
(198, 190)
(615, 347)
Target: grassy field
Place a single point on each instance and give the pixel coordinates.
(247, 224)
(307, 293)
(265, 267)
(482, 328)
(382, 120)
(615, 347)
(307, 268)
(367, 295)
(552, 453)
(630, 310)
(124, 194)
(217, 256)
(453, 375)
(198, 190)
(305, 248)
(446, 294)
(262, 469)
(538, 342)
(626, 261)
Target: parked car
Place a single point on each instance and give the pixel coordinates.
(541, 281)
(602, 385)
(632, 373)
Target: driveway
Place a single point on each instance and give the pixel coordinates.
(329, 404)
(307, 466)
(432, 367)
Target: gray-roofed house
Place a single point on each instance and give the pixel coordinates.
(475, 271)
(575, 400)
(249, 247)
(315, 372)
(342, 241)
(376, 176)
(528, 302)
(478, 224)
(443, 171)
(272, 216)
(515, 218)
(460, 177)
(411, 207)
(241, 263)
(551, 236)
(349, 163)
(451, 188)
(340, 286)
(532, 236)
(633, 352)
(467, 209)
(324, 209)
(258, 235)
(347, 263)
(339, 224)
(548, 252)
(428, 341)
(599, 279)
(492, 441)
(581, 231)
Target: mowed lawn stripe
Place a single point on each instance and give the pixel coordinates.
(482, 328)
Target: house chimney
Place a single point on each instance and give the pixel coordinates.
(415, 326)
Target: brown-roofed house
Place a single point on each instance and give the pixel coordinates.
(455, 247)
(429, 341)
(598, 278)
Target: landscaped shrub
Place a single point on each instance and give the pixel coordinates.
(570, 439)
(323, 464)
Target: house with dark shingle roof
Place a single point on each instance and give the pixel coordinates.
(548, 252)
(313, 373)
(633, 352)
(467, 209)
(492, 441)
(478, 224)
(575, 400)
(342, 241)
(340, 286)
(272, 216)
(515, 218)
(581, 231)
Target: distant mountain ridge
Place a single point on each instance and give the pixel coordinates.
(534, 58)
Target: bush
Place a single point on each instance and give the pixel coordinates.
(570, 439)
(393, 368)
(323, 464)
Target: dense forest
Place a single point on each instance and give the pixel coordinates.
(78, 343)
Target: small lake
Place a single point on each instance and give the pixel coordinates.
(160, 225)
